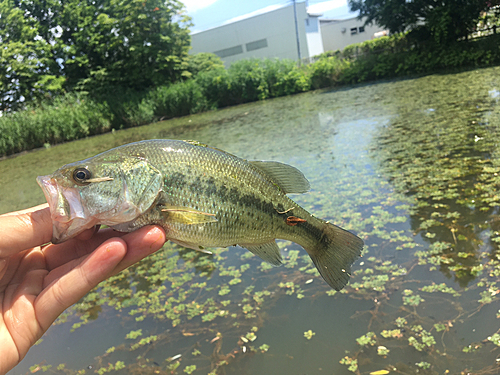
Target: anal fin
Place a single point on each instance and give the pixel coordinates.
(269, 252)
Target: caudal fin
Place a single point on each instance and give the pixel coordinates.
(334, 253)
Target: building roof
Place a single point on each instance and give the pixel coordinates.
(256, 13)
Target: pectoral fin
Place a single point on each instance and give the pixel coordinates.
(269, 252)
(185, 215)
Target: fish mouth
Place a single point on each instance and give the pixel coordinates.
(69, 217)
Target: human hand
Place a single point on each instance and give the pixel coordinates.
(37, 282)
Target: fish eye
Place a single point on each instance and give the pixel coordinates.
(81, 175)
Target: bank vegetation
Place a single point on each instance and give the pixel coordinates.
(209, 85)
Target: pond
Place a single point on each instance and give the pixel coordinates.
(410, 166)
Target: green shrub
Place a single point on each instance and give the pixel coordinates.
(247, 81)
(251, 80)
(326, 72)
(126, 107)
(203, 62)
(283, 77)
(212, 86)
(135, 113)
(215, 86)
(66, 118)
(179, 99)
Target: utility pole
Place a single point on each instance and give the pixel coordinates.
(297, 30)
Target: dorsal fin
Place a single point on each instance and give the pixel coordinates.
(288, 178)
(199, 144)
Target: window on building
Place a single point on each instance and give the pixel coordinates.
(258, 44)
(229, 51)
(361, 29)
(307, 21)
(354, 30)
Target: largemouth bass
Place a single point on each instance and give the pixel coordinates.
(202, 196)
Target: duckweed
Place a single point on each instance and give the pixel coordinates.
(368, 339)
(309, 334)
(352, 364)
(412, 167)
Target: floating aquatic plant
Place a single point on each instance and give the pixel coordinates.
(382, 350)
(351, 363)
(412, 167)
(368, 339)
(309, 334)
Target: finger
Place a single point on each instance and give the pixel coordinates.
(88, 234)
(83, 276)
(26, 261)
(27, 210)
(19, 317)
(140, 244)
(68, 283)
(3, 267)
(75, 248)
(25, 230)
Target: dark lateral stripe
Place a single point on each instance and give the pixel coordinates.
(218, 192)
(251, 205)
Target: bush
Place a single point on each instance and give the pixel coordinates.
(66, 118)
(251, 80)
(283, 77)
(179, 99)
(215, 86)
(203, 62)
(136, 112)
(326, 72)
(126, 107)
(247, 81)
(212, 86)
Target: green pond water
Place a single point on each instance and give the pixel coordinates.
(412, 167)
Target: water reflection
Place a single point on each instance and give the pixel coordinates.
(445, 160)
(411, 166)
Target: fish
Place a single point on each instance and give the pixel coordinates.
(204, 197)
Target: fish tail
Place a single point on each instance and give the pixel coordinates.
(333, 253)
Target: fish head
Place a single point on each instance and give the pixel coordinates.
(108, 190)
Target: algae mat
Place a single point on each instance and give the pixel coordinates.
(410, 166)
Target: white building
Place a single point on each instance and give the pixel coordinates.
(271, 34)
(274, 34)
(338, 34)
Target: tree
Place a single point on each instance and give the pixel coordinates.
(90, 45)
(204, 62)
(25, 73)
(442, 21)
(129, 43)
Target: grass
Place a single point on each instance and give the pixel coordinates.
(75, 116)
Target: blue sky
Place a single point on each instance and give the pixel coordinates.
(206, 14)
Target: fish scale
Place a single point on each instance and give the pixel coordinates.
(203, 197)
(196, 184)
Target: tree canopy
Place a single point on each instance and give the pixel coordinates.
(441, 21)
(49, 46)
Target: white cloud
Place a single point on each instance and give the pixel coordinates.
(195, 5)
(269, 8)
(325, 6)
